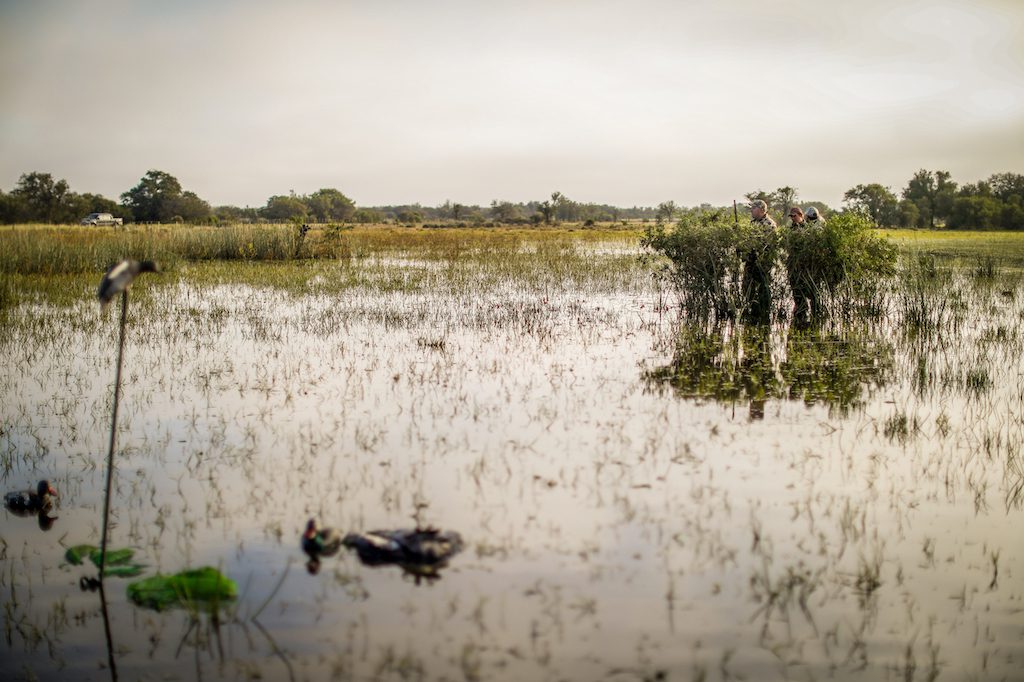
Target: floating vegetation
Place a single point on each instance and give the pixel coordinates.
(199, 588)
(119, 561)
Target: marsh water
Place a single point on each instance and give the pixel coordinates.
(640, 498)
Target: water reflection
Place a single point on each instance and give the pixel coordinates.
(106, 631)
(421, 553)
(757, 363)
(43, 517)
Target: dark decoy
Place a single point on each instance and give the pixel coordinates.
(318, 542)
(27, 502)
(420, 547)
(119, 277)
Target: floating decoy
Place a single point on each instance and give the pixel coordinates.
(119, 277)
(31, 501)
(420, 547)
(318, 542)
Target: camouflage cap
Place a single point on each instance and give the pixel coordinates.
(759, 203)
(812, 212)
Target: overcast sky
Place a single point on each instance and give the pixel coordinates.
(401, 101)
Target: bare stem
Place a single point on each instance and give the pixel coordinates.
(113, 434)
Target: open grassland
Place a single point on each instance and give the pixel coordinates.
(962, 246)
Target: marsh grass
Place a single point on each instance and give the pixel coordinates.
(49, 250)
(501, 386)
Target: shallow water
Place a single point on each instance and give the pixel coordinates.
(622, 521)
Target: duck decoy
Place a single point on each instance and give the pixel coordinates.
(31, 501)
(318, 542)
(420, 547)
(119, 277)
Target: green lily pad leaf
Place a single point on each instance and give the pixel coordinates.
(119, 561)
(76, 555)
(124, 571)
(115, 557)
(200, 586)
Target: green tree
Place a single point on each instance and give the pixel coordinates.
(908, 214)
(666, 212)
(565, 208)
(1009, 189)
(546, 209)
(1005, 186)
(504, 211)
(934, 193)
(12, 208)
(410, 216)
(875, 201)
(81, 205)
(288, 207)
(451, 211)
(766, 197)
(189, 208)
(234, 214)
(1012, 217)
(778, 201)
(785, 198)
(150, 200)
(330, 204)
(976, 212)
(367, 215)
(159, 198)
(43, 199)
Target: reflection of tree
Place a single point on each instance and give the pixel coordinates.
(758, 363)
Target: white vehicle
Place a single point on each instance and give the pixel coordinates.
(101, 219)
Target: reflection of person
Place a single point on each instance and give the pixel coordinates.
(757, 267)
(802, 289)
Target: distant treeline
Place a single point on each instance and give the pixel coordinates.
(930, 199)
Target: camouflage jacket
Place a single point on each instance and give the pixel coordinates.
(768, 238)
(766, 222)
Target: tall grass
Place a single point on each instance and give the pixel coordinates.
(64, 250)
(50, 250)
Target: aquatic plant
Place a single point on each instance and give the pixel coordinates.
(192, 588)
(118, 561)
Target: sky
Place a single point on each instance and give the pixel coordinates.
(416, 101)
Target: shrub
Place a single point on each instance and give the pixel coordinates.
(841, 262)
(708, 253)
